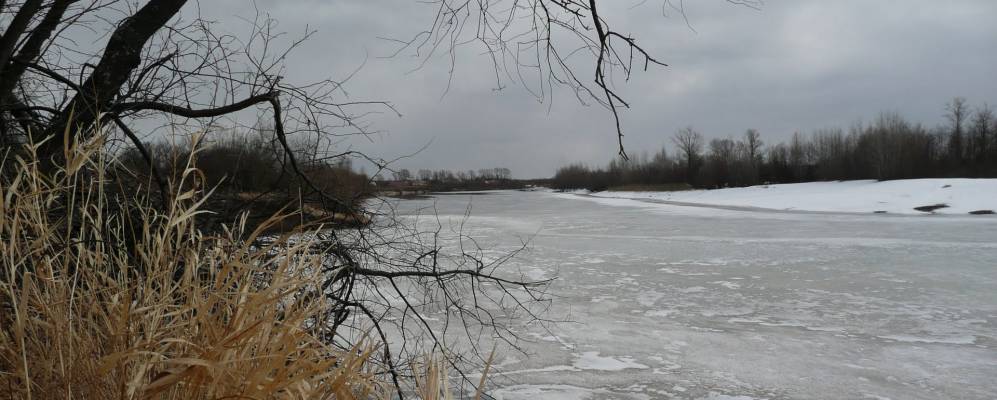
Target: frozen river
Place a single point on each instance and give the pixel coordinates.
(702, 303)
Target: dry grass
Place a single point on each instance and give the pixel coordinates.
(100, 300)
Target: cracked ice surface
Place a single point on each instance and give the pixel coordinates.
(667, 301)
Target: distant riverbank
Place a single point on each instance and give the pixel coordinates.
(910, 196)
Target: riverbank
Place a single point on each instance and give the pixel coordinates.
(911, 196)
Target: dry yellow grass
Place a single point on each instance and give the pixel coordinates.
(122, 301)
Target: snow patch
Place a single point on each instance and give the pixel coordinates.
(659, 313)
(961, 339)
(558, 392)
(550, 392)
(727, 284)
(961, 196)
(591, 360)
(718, 396)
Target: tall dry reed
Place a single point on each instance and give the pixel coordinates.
(108, 299)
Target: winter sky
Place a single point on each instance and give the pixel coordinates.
(791, 65)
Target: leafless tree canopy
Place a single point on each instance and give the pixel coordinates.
(543, 44)
(690, 145)
(159, 62)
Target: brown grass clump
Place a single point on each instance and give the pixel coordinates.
(101, 300)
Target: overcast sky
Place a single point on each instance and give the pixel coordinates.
(793, 65)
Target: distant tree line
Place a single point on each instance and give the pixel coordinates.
(888, 148)
(445, 179)
(446, 175)
(245, 165)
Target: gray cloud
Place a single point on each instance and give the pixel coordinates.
(794, 65)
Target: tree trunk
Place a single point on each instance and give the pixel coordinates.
(121, 56)
(11, 71)
(18, 25)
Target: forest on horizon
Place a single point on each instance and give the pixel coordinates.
(890, 147)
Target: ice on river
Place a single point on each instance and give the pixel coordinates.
(673, 302)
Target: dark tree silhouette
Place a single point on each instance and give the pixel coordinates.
(690, 144)
(957, 112)
(889, 148)
(753, 145)
(983, 129)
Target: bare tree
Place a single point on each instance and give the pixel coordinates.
(799, 156)
(957, 112)
(690, 145)
(403, 175)
(723, 154)
(503, 173)
(157, 64)
(753, 145)
(982, 130)
(532, 42)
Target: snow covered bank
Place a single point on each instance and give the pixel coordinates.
(961, 196)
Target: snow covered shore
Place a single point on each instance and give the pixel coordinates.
(961, 196)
